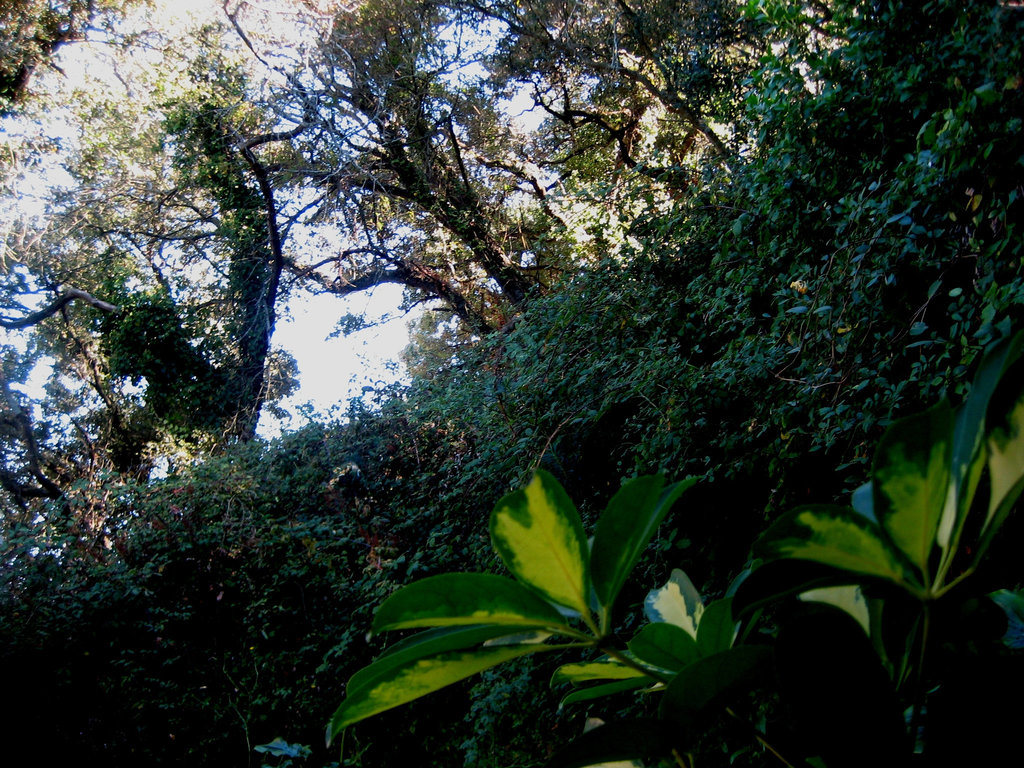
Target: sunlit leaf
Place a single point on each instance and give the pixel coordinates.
(430, 643)
(678, 603)
(626, 528)
(608, 669)
(972, 441)
(465, 599)
(910, 481)
(836, 537)
(664, 645)
(396, 685)
(1005, 443)
(539, 536)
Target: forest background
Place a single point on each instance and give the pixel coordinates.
(744, 239)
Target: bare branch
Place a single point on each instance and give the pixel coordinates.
(71, 294)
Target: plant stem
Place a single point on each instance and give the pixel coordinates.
(943, 590)
(759, 737)
(622, 658)
(915, 717)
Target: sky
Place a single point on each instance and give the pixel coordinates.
(333, 368)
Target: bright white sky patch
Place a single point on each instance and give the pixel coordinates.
(335, 369)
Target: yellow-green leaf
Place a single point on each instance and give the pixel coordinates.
(911, 481)
(837, 537)
(969, 443)
(594, 670)
(433, 642)
(1005, 441)
(606, 689)
(539, 536)
(402, 684)
(678, 603)
(464, 599)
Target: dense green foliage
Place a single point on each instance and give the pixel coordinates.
(737, 251)
(886, 569)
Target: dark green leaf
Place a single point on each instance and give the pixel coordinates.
(664, 645)
(626, 528)
(717, 628)
(831, 678)
(606, 689)
(711, 681)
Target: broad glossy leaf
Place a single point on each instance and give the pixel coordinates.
(430, 643)
(836, 537)
(778, 579)
(521, 638)
(969, 447)
(1005, 443)
(643, 740)
(465, 599)
(626, 528)
(606, 689)
(717, 628)
(911, 481)
(709, 682)
(539, 536)
(969, 443)
(664, 645)
(678, 603)
(849, 599)
(607, 669)
(394, 685)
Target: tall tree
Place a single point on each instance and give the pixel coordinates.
(167, 221)
(410, 157)
(611, 65)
